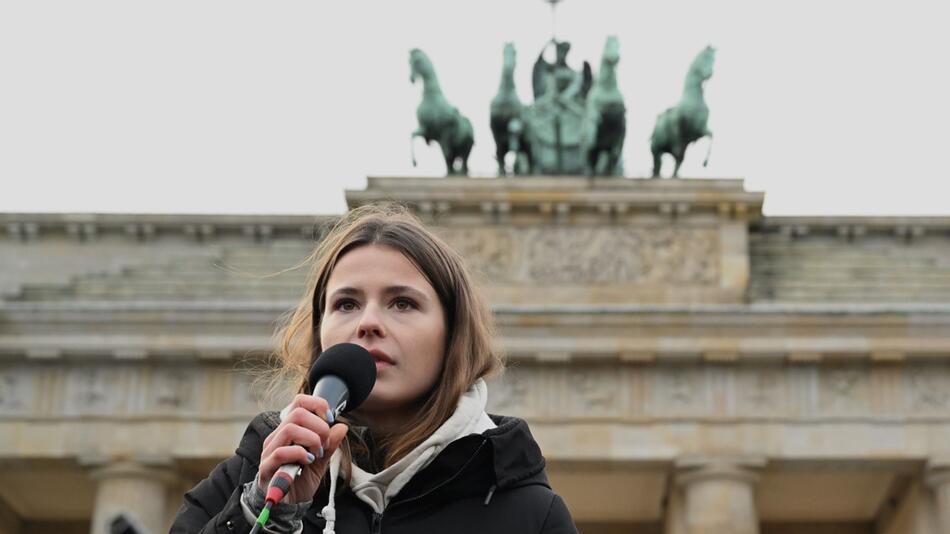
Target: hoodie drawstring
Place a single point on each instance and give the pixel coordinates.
(329, 511)
(491, 492)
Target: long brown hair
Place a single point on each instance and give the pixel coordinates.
(469, 352)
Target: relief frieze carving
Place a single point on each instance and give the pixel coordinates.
(174, 389)
(928, 388)
(844, 389)
(672, 390)
(14, 392)
(488, 251)
(509, 394)
(761, 389)
(92, 390)
(623, 255)
(597, 391)
(678, 389)
(591, 255)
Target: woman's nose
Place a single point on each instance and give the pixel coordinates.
(370, 323)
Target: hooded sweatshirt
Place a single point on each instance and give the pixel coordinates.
(376, 490)
(488, 480)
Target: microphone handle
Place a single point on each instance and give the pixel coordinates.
(332, 389)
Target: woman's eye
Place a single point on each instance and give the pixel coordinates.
(404, 304)
(345, 305)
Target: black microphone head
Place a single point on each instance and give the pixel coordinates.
(352, 364)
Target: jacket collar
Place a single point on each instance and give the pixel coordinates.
(500, 458)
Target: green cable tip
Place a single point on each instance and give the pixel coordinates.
(265, 513)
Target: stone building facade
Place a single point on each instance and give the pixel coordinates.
(688, 365)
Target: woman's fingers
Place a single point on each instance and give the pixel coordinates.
(292, 434)
(337, 433)
(290, 454)
(312, 404)
(303, 437)
(303, 412)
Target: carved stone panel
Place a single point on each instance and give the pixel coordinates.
(761, 390)
(16, 391)
(490, 252)
(174, 389)
(512, 393)
(927, 388)
(607, 255)
(679, 390)
(92, 389)
(844, 389)
(594, 392)
(251, 394)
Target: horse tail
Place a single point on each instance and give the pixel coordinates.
(708, 150)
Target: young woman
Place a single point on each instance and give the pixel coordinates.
(420, 454)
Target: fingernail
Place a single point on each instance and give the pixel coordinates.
(321, 453)
(311, 457)
(330, 417)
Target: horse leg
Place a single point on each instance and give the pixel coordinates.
(657, 161)
(500, 150)
(590, 161)
(463, 152)
(419, 132)
(449, 156)
(708, 134)
(678, 154)
(613, 162)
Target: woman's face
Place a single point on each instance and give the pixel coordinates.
(378, 299)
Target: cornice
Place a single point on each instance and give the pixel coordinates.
(559, 198)
(145, 227)
(717, 334)
(852, 228)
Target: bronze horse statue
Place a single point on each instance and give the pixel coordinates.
(507, 123)
(679, 126)
(605, 118)
(438, 120)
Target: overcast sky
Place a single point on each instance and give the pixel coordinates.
(830, 107)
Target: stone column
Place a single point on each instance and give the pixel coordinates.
(938, 479)
(134, 489)
(718, 494)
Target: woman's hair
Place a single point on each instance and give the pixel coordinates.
(469, 352)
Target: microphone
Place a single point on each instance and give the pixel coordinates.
(344, 375)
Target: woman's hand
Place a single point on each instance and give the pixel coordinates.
(301, 430)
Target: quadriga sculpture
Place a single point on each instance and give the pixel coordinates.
(438, 120)
(605, 119)
(507, 123)
(679, 126)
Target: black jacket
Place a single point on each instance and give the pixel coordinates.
(482, 483)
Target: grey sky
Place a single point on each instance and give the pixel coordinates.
(830, 107)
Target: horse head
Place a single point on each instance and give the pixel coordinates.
(508, 57)
(611, 51)
(419, 65)
(702, 66)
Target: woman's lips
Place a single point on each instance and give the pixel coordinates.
(382, 359)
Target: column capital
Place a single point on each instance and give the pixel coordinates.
(157, 469)
(746, 468)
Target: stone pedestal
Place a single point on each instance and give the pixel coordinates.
(938, 479)
(139, 492)
(718, 496)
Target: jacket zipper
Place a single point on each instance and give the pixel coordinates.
(377, 523)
